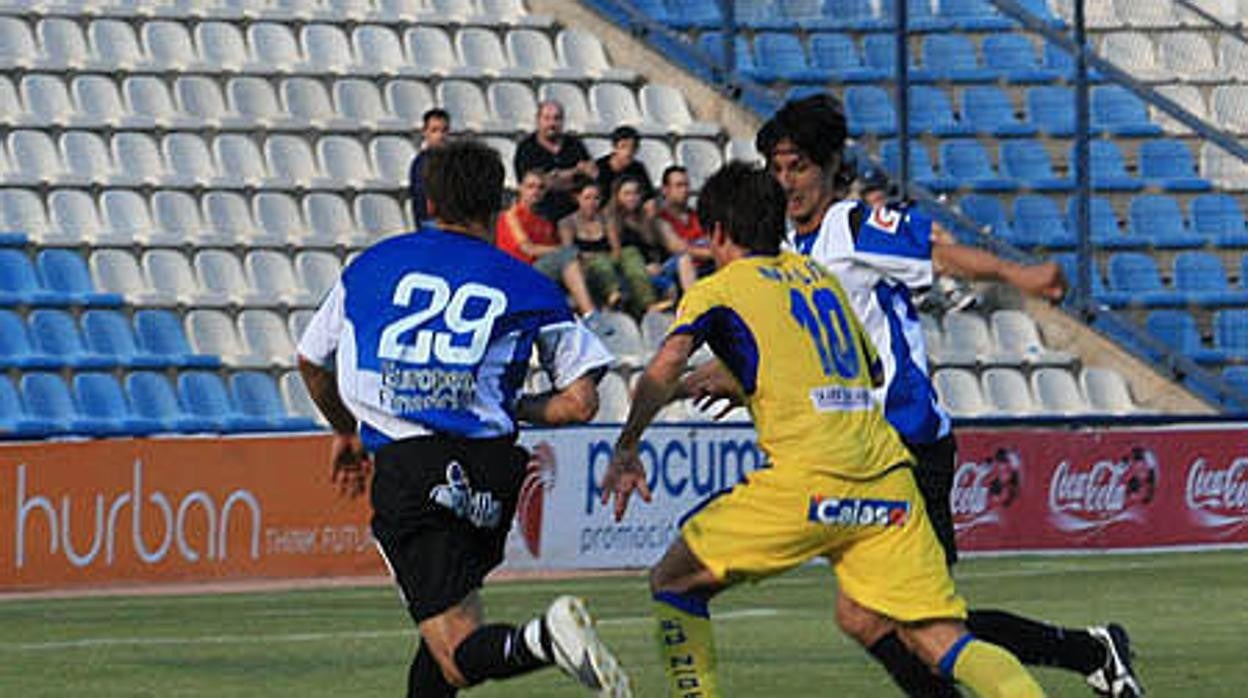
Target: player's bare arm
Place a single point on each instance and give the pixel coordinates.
(350, 464)
(655, 389)
(575, 404)
(710, 383)
(974, 264)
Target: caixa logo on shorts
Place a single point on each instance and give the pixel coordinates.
(848, 511)
(1090, 497)
(478, 508)
(983, 490)
(1218, 497)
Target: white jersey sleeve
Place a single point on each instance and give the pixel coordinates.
(320, 339)
(568, 350)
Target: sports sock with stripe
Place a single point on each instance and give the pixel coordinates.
(500, 651)
(686, 644)
(909, 672)
(1034, 642)
(988, 670)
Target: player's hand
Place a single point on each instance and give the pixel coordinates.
(1044, 280)
(624, 475)
(711, 382)
(351, 465)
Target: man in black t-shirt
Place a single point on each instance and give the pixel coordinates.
(622, 163)
(560, 155)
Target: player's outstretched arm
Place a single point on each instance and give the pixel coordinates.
(350, 464)
(575, 404)
(974, 264)
(710, 383)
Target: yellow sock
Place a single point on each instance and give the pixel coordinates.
(989, 670)
(686, 645)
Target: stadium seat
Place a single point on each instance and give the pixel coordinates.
(33, 159)
(117, 271)
(1109, 169)
(854, 15)
(1135, 280)
(274, 46)
(147, 98)
(17, 44)
(48, 103)
(329, 221)
(869, 110)
(107, 333)
(14, 422)
(1201, 277)
(1135, 53)
(1219, 219)
(98, 105)
(317, 273)
(160, 333)
(429, 49)
(967, 341)
(237, 154)
(144, 166)
(391, 157)
(482, 50)
(1235, 376)
(102, 403)
(169, 272)
(20, 284)
(253, 98)
(950, 57)
(1121, 113)
(1146, 13)
(378, 49)
(227, 220)
(115, 46)
(271, 276)
(408, 100)
(1013, 56)
(168, 43)
(1039, 223)
(177, 220)
(203, 394)
(298, 402)
(1159, 220)
(342, 160)
(212, 333)
(326, 50)
(665, 106)
(86, 160)
(379, 216)
(1106, 391)
(1230, 333)
(513, 104)
(966, 161)
(152, 398)
(74, 219)
(1015, 334)
(125, 219)
(930, 111)
(741, 149)
(1168, 164)
(256, 397)
(189, 162)
(694, 14)
(972, 15)
(22, 212)
(308, 101)
(1188, 56)
(1056, 392)
(219, 274)
(701, 157)
(47, 399)
(506, 149)
(64, 272)
(988, 212)
(292, 165)
(616, 104)
(1187, 96)
(622, 338)
(836, 54)
(583, 50)
(201, 97)
(1028, 162)
(359, 103)
(1105, 228)
(781, 57)
(1070, 268)
(468, 108)
(921, 169)
(1225, 170)
(920, 15)
(16, 349)
(989, 110)
(576, 113)
(532, 51)
(879, 52)
(297, 323)
(1006, 390)
(1052, 110)
(613, 399)
(959, 392)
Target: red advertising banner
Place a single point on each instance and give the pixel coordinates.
(1104, 489)
(169, 510)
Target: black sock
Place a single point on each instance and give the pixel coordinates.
(502, 651)
(425, 679)
(1039, 643)
(908, 671)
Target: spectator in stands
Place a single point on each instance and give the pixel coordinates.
(530, 238)
(586, 230)
(560, 155)
(642, 253)
(622, 162)
(435, 125)
(681, 232)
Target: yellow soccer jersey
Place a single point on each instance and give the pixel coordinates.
(785, 329)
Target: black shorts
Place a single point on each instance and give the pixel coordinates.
(442, 508)
(934, 474)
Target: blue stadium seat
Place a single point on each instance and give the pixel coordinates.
(1237, 377)
(1219, 218)
(1028, 162)
(1168, 164)
(1041, 10)
(950, 57)
(47, 398)
(14, 422)
(879, 52)
(1056, 59)
(1105, 229)
(931, 112)
(1177, 328)
(869, 109)
(919, 15)
(202, 394)
(855, 15)
(967, 162)
(64, 272)
(16, 350)
(54, 332)
(256, 396)
(1070, 267)
(151, 397)
(837, 54)
(655, 9)
(713, 44)
(1052, 109)
(989, 110)
(988, 211)
(108, 333)
(1109, 168)
(19, 284)
(1013, 57)
(1230, 333)
(782, 58)
(1201, 277)
(1134, 280)
(1159, 220)
(694, 14)
(1039, 223)
(921, 169)
(973, 15)
(763, 14)
(101, 401)
(1121, 113)
(160, 333)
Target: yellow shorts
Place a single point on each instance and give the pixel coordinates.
(875, 533)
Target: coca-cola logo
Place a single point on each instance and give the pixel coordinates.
(983, 490)
(1218, 498)
(1104, 493)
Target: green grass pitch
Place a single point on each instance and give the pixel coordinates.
(1186, 613)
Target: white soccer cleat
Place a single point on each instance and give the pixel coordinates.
(1116, 679)
(580, 653)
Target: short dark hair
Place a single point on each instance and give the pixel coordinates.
(622, 133)
(464, 182)
(435, 113)
(671, 170)
(748, 202)
(580, 181)
(815, 124)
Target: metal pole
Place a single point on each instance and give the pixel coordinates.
(903, 98)
(729, 11)
(1083, 174)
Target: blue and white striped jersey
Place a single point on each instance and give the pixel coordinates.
(433, 332)
(880, 264)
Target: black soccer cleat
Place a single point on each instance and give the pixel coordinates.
(1116, 679)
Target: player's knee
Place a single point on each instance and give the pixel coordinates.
(863, 625)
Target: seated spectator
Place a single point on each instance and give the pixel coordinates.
(681, 232)
(642, 251)
(561, 156)
(530, 238)
(605, 263)
(622, 162)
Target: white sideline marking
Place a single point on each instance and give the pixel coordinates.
(88, 642)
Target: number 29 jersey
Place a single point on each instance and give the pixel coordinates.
(784, 328)
(433, 332)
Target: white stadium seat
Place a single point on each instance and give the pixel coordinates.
(308, 101)
(125, 217)
(1135, 53)
(616, 104)
(700, 157)
(292, 165)
(613, 399)
(86, 159)
(379, 215)
(1224, 169)
(392, 158)
(298, 402)
(506, 148)
(271, 275)
(33, 158)
(665, 107)
(264, 335)
(1057, 393)
(742, 149)
(201, 97)
(513, 104)
(140, 158)
(532, 51)
(277, 217)
(189, 162)
(655, 155)
(409, 100)
(379, 50)
(168, 44)
(220, 273)
(274, 46)
(467, 107)
(1146, 13)
(1187, 96)
(211, 332)
(959, 392)
(48, 103)
(117, 271)
(74, 218)
(317, 272)
(17, 44)
(1188, 56)
(430, 48)
(329, 221)
(1006, 390)
(238, 155)
(967, 341)
(63, 46)
(115, 46)
(253, 98)
(227, 218)
(1229, 105)
(325, 50)
(481, 50)
(577, 116)
(345, 163)
(168, 272)
(1016, 335)
(1106, 391)
(582, 51)
(177, 218)
(360, 106)
(148, 98)
(221, 44)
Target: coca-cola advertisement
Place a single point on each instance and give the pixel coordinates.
(1105, 489)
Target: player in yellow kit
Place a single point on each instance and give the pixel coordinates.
(839, 483)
